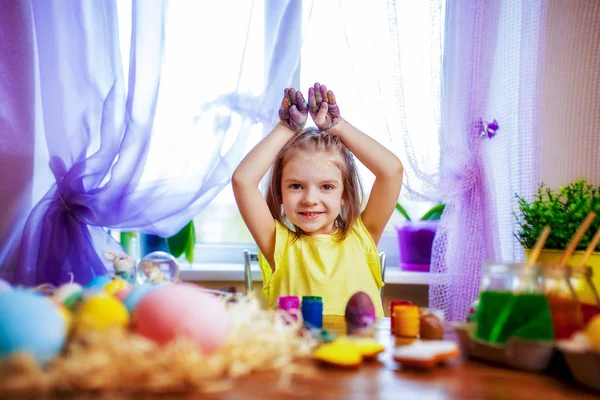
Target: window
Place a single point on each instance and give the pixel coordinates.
(218, 51)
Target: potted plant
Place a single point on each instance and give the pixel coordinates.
(563, 210)
(415, 238)
(182, 242)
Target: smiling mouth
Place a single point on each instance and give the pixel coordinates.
(310, 215)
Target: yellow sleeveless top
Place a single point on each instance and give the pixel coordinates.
(320, 266)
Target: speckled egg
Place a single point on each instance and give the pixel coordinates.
(30, 322)
(183, 309)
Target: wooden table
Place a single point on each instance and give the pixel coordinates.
(386, 379)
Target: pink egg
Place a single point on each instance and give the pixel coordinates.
(121, 294)
(182, 310)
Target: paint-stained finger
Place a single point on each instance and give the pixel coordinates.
(323, 90)
(330, 97)
(301, 102)
(318, 97)
(321, 117)
(312, 101)
(292, 96)
(295, 115)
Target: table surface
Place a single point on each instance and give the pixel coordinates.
(386, 379)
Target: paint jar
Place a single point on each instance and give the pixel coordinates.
(512, 303)
(312, 311)
(394, 303)
(290, 304)
(406, 320)
(567, 316)
(585, 292)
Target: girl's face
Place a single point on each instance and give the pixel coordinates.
(312, 189)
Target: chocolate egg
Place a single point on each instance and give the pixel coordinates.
(431, 328)
(360, 314)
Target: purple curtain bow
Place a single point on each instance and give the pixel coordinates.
(97, 133)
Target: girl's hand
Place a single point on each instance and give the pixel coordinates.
(294, 110)
(322, 107)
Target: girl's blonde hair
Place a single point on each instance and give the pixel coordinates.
(315, 140)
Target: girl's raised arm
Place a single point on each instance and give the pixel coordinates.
(384, 164)
(254, 166)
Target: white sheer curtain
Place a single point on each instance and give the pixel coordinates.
(223, 79)
(141, 146)
(383, 59)
(419, 77)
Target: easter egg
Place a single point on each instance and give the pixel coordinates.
(98, 282)
(101, 312)
(66, 291)
(4, 285)
(30, 323)
(592, 331)
(360, 314)
(66, 315)
(137, 293)
(123, 293)
(115, 286)
(183, 309)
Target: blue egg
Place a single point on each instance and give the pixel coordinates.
(136, 294)
(30, 323)
(4, 285)
(98, 282)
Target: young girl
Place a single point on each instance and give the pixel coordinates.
(312, 238)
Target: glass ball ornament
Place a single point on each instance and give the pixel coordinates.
(157, 267)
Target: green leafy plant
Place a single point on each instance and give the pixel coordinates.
(563, 210)
(434, 213)
(182, 242)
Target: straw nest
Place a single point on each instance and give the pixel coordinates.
(122, 361)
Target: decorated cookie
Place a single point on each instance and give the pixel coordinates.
(426, 354)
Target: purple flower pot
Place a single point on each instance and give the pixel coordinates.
(415, 239)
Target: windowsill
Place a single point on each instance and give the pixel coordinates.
(235, 273)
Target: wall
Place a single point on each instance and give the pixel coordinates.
(571, 106)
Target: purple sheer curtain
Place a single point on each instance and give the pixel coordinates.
(492, 71)
(97, 133)
(464, 233)
(17, 126)
(99, 126)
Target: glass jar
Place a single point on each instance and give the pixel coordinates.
(585, 292)
(511, 303)
(567, 317)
